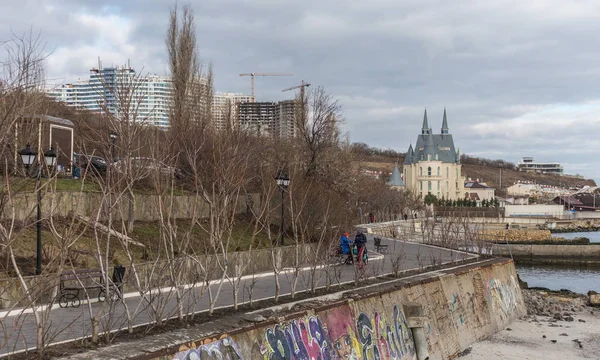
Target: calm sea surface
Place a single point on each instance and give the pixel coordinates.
(594, 236)
(577, 279)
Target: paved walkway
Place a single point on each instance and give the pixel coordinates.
(18, 331)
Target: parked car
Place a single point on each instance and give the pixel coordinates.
(93, 163)
(146, 165)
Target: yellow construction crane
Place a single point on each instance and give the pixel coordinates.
(301, 87)
(252, 75)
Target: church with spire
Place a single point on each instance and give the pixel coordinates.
(433, 165)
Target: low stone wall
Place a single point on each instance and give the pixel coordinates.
(156, 275)
(433, 315)
(146, 208)
(516, 235)
(550, 253)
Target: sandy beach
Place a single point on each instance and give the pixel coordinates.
(557, 327)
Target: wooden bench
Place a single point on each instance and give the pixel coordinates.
(382, 249)
(74, 281)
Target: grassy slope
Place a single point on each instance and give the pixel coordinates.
(83, 249)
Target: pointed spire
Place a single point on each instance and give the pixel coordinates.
(396, 178)
(445, 129)
(425, 128)
(458, 156)
(410, 156)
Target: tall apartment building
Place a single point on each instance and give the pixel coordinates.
(285, 125)
(225, 106)
(106, 88)
(268, 118)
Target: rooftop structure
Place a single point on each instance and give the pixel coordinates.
(395, 181)
(528, 164)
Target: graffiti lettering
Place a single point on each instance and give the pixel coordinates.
(503, 295)
(381, 341)
(297, 341)
(224, 349)
(456, 311)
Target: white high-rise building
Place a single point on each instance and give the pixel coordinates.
(116, 88)
(224, 108)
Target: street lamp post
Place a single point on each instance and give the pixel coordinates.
(113, 137)
(283, 181)
(28, 157)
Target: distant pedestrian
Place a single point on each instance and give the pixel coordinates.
(405, 217)
(371, 218)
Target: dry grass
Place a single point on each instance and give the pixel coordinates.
(83, 253)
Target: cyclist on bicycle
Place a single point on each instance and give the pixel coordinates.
(360, 240)
(345, 248)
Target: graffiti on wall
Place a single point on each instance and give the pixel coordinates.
(223, 348)
(301, 339)
(337, 333)
(503, 296)
(382, 337)
(456, 311)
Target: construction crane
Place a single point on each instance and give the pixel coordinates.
(252, 75)
(301, 87)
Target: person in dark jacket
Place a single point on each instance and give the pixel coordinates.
(360, 240)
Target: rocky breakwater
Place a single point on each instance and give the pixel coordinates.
(558, 325)
(515, 235)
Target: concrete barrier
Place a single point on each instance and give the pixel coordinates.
(432, 316)
(146, 208)
(549, 253)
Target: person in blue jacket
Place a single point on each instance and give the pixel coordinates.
(345, 247)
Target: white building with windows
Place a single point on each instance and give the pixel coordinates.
(148, 97)
(433, 166)
(115, 89)
(224, 108)
(528, 164)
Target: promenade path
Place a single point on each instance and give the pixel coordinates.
(18, 328)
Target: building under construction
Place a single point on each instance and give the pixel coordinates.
(268, 118)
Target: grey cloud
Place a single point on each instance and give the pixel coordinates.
(505, 65)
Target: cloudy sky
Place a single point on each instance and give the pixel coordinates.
(518, 78)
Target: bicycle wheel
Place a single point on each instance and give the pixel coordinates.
(102, 295)
(75, 302)
(63, 301)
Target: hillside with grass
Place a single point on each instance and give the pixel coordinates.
(485, 170)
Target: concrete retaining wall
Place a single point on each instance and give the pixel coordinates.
(459, 307)
(67, 203)
(533, 210)
(572, 253)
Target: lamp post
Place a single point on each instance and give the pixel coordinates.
(113, 137)
(28, 157)
(283, 181)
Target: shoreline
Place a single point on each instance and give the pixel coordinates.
(559, 325)
(574, 230)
